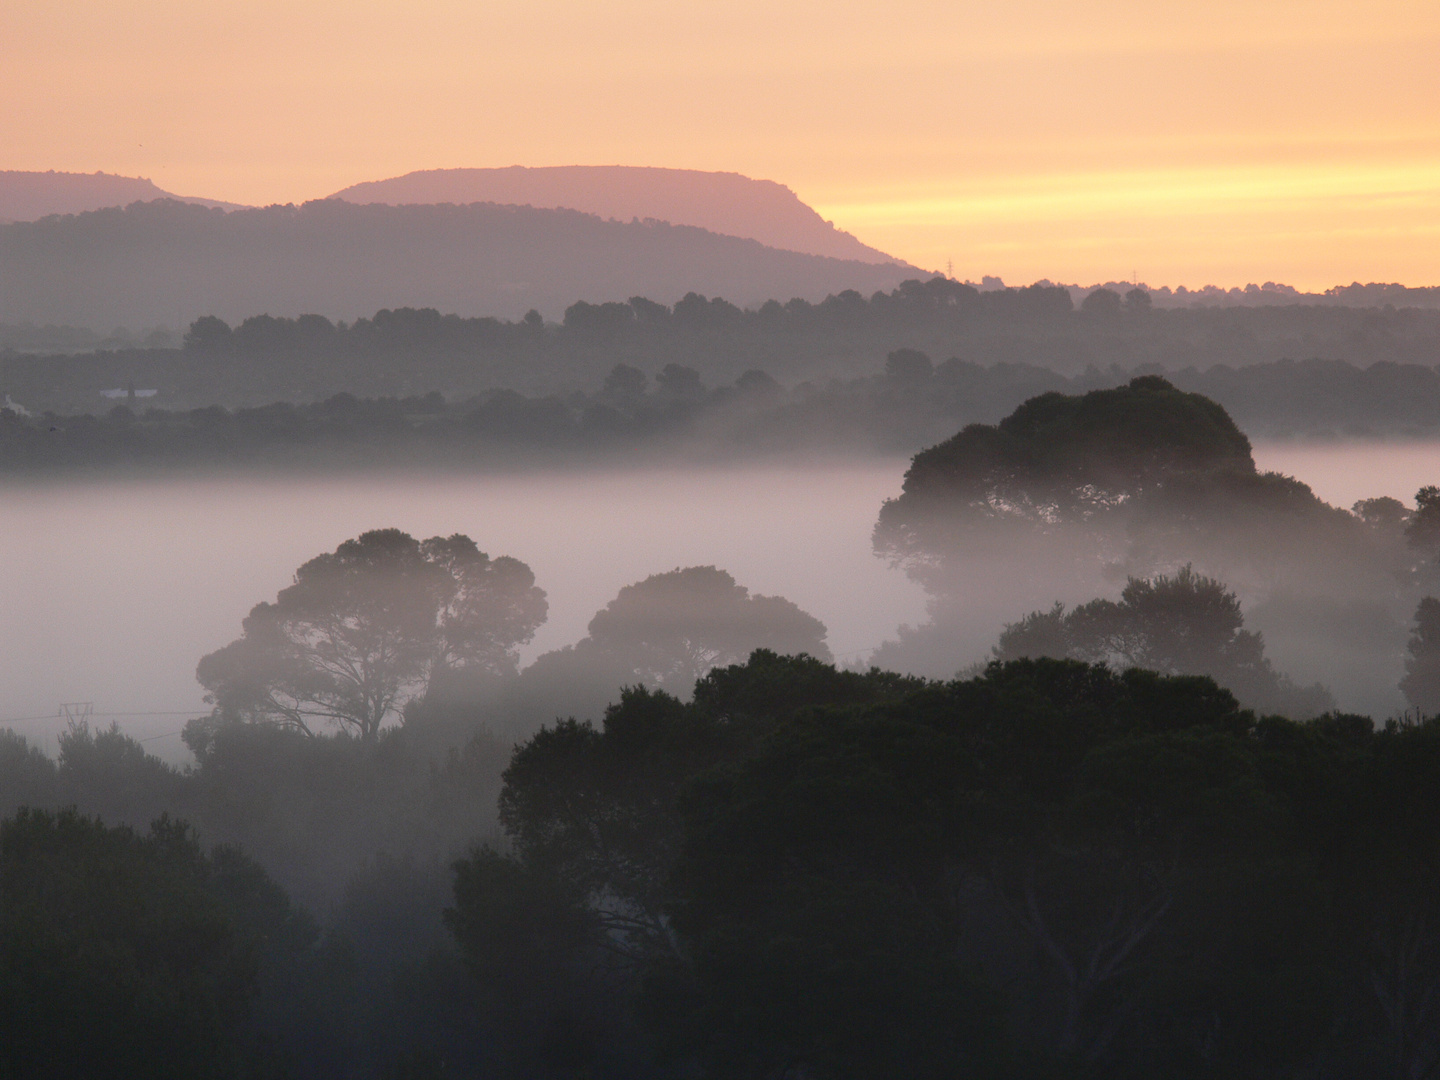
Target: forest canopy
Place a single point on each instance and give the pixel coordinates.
(401, 351)
(671, 412)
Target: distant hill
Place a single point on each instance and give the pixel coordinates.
(721, 202)
(167, 262)
(29, 196)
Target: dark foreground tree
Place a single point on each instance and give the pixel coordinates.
(532, 950)
(561, 933)
(126, 955)
(1036, 849)
(1181, 624)
(1051, 869)
(1421, 682)
(366, 629)
(1422, 529)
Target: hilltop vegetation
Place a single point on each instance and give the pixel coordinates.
(29, 196)
(148, 263)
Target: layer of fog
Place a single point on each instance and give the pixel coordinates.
(114, 591)
(1342, 473)
(1355, 645)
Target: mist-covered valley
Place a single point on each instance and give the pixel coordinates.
(959, 681)
(469, 747)
(746, 541)
(116, 584)
(122, 586)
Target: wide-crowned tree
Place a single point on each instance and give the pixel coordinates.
(1058, 461)
(1142, 474)
(664, 632)
(1180, 624)
(1069, 492)
(367, 628)
(672, 628)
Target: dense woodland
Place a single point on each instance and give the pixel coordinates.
(1015, 336)
(671, 415)
(1049, 869)
(690, 846)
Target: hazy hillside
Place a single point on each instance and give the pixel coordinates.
(721, 202)
(28, 196)
(167, 263)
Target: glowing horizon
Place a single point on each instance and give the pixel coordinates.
(1299, 142)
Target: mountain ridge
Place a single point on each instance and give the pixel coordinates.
(167, 262)
(727, 203)
(32, 195)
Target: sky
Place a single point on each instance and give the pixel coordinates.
(1173, 143)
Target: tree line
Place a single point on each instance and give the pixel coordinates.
(404, 351)
(671, 414)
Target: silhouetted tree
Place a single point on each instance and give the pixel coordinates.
(208, 333)
(1102, 303)
(1058, 461)
(1383, 512)
(537, 954)
(625, 382)
(368, 628)
(680, 382)
(1051, 868)
(758, 383)
(27, 776)
(666, 632)
(676, 626)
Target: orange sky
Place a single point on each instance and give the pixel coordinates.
(1186, 143)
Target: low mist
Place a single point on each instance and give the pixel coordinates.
(117, 590)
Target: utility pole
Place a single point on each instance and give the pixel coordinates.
(77, 712)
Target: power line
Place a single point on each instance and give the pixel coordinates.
(61, 715)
